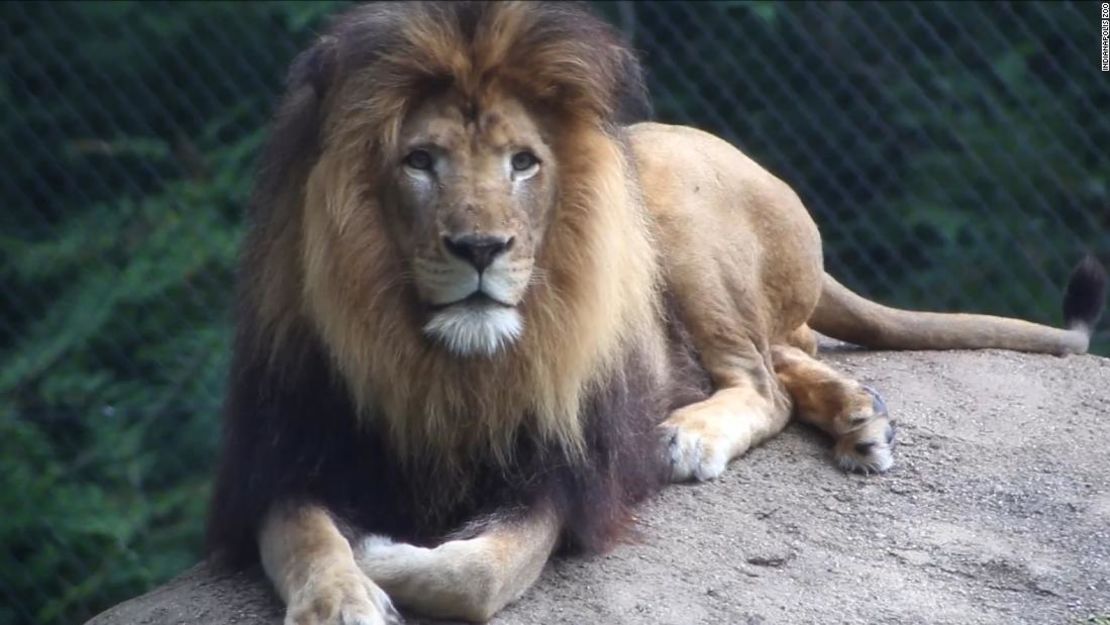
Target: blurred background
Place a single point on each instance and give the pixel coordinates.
(953, 154)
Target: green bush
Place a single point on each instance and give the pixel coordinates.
(132, 132)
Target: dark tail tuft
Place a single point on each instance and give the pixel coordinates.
(1085, 296)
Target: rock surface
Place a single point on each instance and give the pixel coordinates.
(997, 511)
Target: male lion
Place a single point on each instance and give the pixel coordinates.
(480, 316)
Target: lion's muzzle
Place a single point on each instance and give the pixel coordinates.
(473, 294)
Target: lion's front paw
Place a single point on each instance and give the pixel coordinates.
(699, 442)
(867, 444)
(341, 598)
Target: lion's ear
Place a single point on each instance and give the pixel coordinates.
(294, 136)
(314, 68)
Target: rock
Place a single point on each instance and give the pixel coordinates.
(997, 515)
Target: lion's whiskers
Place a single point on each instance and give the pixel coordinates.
(538, 278)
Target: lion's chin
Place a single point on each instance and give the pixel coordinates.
(475, 329)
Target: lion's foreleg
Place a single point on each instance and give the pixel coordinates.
(313, 569)
(852, 413)
(468, 579)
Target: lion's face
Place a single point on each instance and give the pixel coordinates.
(470, 199)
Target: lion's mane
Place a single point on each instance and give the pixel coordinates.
(336, 396)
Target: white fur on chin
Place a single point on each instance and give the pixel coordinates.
(475, 329)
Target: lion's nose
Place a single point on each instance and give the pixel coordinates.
(477, 249)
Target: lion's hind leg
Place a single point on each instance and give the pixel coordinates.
(749, 404)
(804, 339)
(703, 437)
(853, 414)
(748, 407)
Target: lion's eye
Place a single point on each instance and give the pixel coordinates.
(523, 161)
(419, 159)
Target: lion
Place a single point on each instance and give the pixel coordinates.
(485, 308)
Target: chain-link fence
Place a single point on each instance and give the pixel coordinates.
(954, 155)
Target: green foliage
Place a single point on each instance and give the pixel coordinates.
(132, 133)
(952, 153)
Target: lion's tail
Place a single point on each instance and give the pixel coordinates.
(847, 316)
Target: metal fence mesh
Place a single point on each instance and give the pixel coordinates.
(953, 154)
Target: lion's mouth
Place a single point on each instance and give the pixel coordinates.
(477, 299)
(476, 324)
